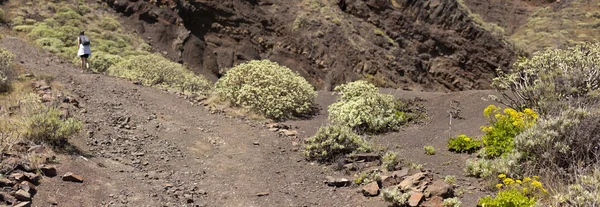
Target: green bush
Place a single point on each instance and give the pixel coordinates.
(390, 161)
(552, 80)
(46, 126)
(6, 69)
(451, 202)
(429, 150)
(332, 141)
(450, 179)
(267, 88)
(362, 108)
(463, 143)
(366, 178)
(561, 145)
(110, 24)
(155, 70)
(100, 61)
(517, 193)
(585, 191)
(499, 137)
(395, 196)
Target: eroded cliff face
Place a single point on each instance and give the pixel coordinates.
(410, 44)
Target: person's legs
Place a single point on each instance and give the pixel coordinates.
(82, 63)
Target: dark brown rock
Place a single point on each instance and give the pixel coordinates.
(367, 157)
(49, 170)
(28, 187)
(69, 176)
(18, 176)
(4, 182)
(388, 181)
(22, 195)
(371, 189)
(441, 189)
(33, 177)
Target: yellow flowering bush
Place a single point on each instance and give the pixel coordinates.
(463, 143)
(267, 88)
(517, 193)
(332, 141)
(362, 108)
(503, 128)
(552, 80)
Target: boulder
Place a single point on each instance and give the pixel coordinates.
(337, 182)
(412, 181)
(69, 176)
(415, 199)
(22, 195)
(388, 181)
(371, 189)
(441, 189)
(434, 201)
(49, 170)
(4, 182)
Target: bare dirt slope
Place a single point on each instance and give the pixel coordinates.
(184, 154)
(148, 147)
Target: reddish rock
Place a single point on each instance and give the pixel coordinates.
(69, 176)
(441, 189)
(412, 180)
(388, 181)
(434, 201)
(371, 189)
(415, 199)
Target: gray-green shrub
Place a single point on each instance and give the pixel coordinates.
(155, 70)
(6, 69)
(585, 191)
(561, 145)
(389, 161)
(395, 196)
(267, 88)
(362, 108)
(552, 80)
(47, 126)
(333, 141)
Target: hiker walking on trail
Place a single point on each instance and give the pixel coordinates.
(84, 50)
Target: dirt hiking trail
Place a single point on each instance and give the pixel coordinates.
(144, 146)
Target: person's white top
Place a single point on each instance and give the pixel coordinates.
(84, 49)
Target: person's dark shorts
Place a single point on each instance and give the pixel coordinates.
(85, 55)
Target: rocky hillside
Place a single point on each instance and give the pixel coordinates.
(414, 45)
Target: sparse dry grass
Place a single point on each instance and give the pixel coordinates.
(577, 22)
